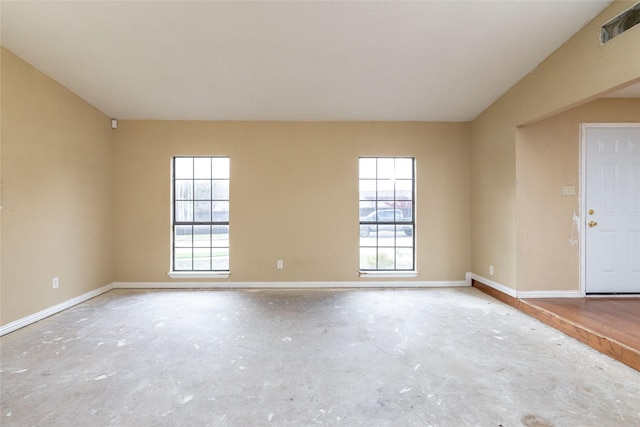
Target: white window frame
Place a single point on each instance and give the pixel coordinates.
(194, 273)
(396, 204)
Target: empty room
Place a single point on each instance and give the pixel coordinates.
(372, 213)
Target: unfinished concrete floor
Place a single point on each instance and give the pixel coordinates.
(435, 357)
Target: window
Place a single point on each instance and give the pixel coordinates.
(387, 214)
(200, 214)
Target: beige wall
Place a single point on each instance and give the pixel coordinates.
(294, 195)
(547, 158)
(577, 72)
(91, 205)
(57, 199)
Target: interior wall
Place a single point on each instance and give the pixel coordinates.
(579, 71)
(74, 208)
(294, 195)
(57, 199)
(548, 158)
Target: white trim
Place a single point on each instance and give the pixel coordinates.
(25, 321)
(612, 296)
(28, 320)
(581, 204)
(525, 294)
(388, 274)
(292, 285)
(582, 195)
(549, 294)
(495, 285)
(199, 274)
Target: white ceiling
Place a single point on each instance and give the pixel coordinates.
(306, 60)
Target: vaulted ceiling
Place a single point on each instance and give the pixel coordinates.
(304, 60)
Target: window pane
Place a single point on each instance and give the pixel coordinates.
(182, 237)
(369, 240)
(184, 211)
(202, 236)
(368, 234)
(220, 259)
(366, 208)
(404, 258)
(367, 168)
(385, 189)
(202, 189)
(386, 259)
(386, 168)
(220, 211)
(386, 235)
(405, 213)
(202, 167)
(404, 189)
(202, 258)
(183, 167)
(404, 168)
(220, 190)
(385, 212)
(368, 258)
(220, 168)
(184, 190)
(203, 211)
(367, 189)
(404, 235)
(183, 258)
(220, 236)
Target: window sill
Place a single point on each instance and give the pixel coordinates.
(389, 274)
(199, 274)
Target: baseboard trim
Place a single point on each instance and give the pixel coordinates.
(294, 285)
(495, 285)
(524, 294)
(549, 294)
(33, 318)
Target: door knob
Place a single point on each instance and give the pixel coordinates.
(592, 224)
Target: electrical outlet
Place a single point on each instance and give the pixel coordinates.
(491, 270)
(280, 264)
(56, 283)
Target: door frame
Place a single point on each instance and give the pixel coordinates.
(582, 223)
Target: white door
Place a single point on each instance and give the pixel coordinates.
(612, 205)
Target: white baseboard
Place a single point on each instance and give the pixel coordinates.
(25, 321)
(495, 285)
(293, 285)
(525, 294)
(549, 294)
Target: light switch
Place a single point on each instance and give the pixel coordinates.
(568, 190)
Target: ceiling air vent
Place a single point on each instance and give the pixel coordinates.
(621, 23)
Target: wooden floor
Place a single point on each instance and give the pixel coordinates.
(610, 325)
